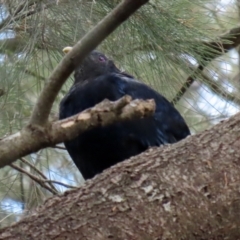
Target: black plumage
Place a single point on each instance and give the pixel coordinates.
(96, 79)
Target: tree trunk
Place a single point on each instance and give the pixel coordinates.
(188, 190)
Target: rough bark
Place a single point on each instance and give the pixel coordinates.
(188, 190)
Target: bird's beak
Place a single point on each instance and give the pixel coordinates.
(67, 50)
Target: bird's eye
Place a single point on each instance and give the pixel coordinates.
(101, 59)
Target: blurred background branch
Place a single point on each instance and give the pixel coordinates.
(223, 44)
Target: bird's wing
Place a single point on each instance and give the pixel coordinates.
(167, 120)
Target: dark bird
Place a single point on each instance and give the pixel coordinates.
(96, 79)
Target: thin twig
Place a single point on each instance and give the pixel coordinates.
(38, 171)
(219, 90)
(22, 187)
(40, 181)
(59, 183)
(31, 73)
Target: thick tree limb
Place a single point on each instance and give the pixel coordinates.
(33, 138)
(89, 42)
(187, 190)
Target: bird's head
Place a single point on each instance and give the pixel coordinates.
(94, 65)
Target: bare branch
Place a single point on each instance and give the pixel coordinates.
(37, 171)
(60, 183)
(22, 189)
(40, 181)
(33, 138)
(89, 42)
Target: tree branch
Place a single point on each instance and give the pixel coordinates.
(89, 42)
(37, 171)
(40, 181)
(221, 45)
(59, 183)
(186, 85)
(219, 90)
(34, 138)
(214, 86)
